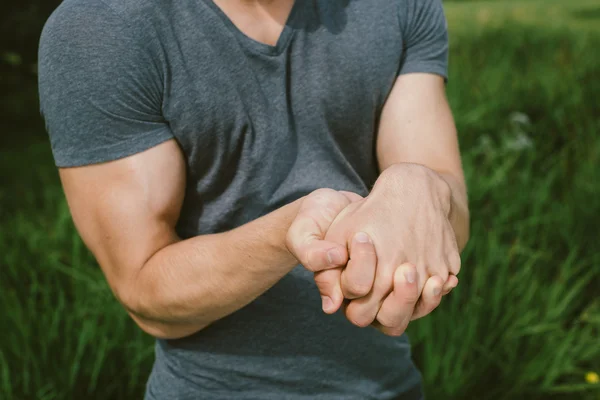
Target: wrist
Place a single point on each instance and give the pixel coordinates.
(282, 244)
(268, 233)
(416, 179)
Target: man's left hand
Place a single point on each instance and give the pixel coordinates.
(406, 219)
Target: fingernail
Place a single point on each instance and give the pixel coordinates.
(327, 303)
(362, 237)
(437, 290)
(410, 275)
(334, 257)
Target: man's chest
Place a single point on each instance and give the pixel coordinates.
(326, 84)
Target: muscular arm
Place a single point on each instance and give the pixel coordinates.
(101, 96)
(417, 127)
(416, 214)
(126, 211)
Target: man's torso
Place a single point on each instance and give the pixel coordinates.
(261, 126)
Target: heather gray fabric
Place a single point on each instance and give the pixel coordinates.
(259, 126)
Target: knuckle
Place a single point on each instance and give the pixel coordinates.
(359, 319)
(390, 320)
(391, 328)
(386, 321)
(360, 322)
(357, 289)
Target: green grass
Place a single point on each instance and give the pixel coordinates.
(524, 322)
(65, 336)
(463, 15)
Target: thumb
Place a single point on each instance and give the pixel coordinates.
(305, 236)
(328, 282)
(305, 242)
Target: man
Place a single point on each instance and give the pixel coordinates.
(207, 148)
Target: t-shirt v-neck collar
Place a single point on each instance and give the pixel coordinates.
(255, 45)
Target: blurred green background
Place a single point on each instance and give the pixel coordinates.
(523, 324)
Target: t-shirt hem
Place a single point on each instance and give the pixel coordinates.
(429, 68)
(112, 152)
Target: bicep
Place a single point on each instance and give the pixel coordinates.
(126, 210)
(417, 126)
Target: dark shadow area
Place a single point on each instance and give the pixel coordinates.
(21, 23)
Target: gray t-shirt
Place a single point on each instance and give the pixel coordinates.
(260, 126)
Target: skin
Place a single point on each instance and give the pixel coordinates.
(415, 220)
(126, 211)
(261, 20)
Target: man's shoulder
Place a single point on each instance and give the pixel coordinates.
(128, 12)
(75, 21)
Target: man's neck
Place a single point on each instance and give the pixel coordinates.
(262, 20)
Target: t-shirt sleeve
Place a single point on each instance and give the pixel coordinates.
(425, 37)
(100, 86)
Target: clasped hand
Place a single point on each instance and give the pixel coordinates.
(387, 258)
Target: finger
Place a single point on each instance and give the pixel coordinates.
(305, 242)
(430, 297)
(359, 274)
(363, 311)
(328, 283)
(452, 256)
(397, 308)
(305, 235)
(450, 284)
(321, 255)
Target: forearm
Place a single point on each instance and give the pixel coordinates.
(194, 282)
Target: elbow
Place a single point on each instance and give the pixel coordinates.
(146, 313)
(166, 331)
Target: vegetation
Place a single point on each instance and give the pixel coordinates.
(524, 322)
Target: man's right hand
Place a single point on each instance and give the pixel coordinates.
(305, 236)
